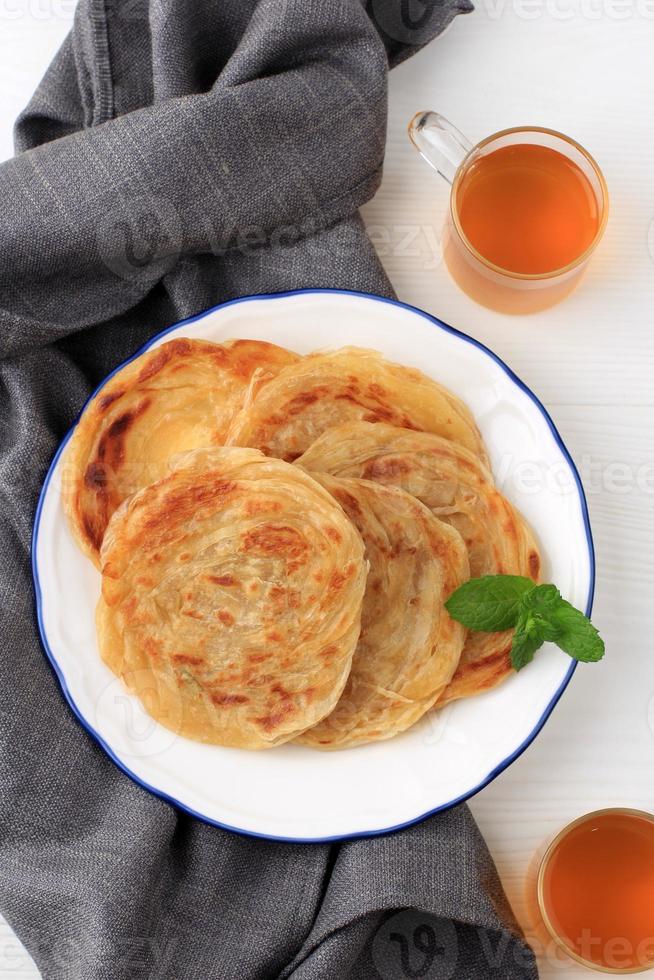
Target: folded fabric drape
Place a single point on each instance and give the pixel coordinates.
(176, 154)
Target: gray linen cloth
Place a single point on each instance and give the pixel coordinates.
(179, 153)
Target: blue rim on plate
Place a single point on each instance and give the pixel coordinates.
(358, 834)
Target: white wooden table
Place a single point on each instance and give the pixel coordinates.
(584, 67)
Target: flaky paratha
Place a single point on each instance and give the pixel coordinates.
(178, 397)
(409, 647)
(328, 389)
(231, 598)
(458, 489)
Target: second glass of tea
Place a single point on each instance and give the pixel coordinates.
(595, 890)
(528, 207)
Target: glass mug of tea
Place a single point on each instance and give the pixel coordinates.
(528, 207)
(595, 890)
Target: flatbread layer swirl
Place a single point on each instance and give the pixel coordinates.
(458, 489)
(351, 384)
(409, 647)
(231, 598)
(177, 397)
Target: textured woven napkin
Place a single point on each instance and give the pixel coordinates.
(179, 153)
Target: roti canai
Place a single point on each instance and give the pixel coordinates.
(457, 488)
(409, 647)
(231, 598)
(328, 389)
(177, 397)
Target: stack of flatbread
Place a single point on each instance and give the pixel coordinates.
(277, 536)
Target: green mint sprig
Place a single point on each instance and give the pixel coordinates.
(537, 612)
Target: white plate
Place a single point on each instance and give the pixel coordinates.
(295, 793)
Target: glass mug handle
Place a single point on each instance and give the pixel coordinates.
(439, 143)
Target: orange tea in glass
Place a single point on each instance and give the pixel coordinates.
(528, 207)
(596, 890)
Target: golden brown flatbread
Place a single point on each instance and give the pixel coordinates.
(409, 647)
(458, 489)
(231, 598)
(351, 384)
(178, 397)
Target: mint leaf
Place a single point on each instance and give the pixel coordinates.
(490, 603)
(528, 638)
(543, 602)
(538, 612)
(576, 634)
(543, 599)
(564, 625)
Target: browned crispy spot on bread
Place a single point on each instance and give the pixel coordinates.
(185, 659)
(385, 468)
(258, 658)
(243, 357)
(164, 354)
(95, 477)
(275, 539)
(303, 400)
(348, 502)
(181, 505)
(262, 506)
(281, 708)
(111, 447)
(221, 579)
(338, 579)
(94, 532)
(106, 401)
(225, 700)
